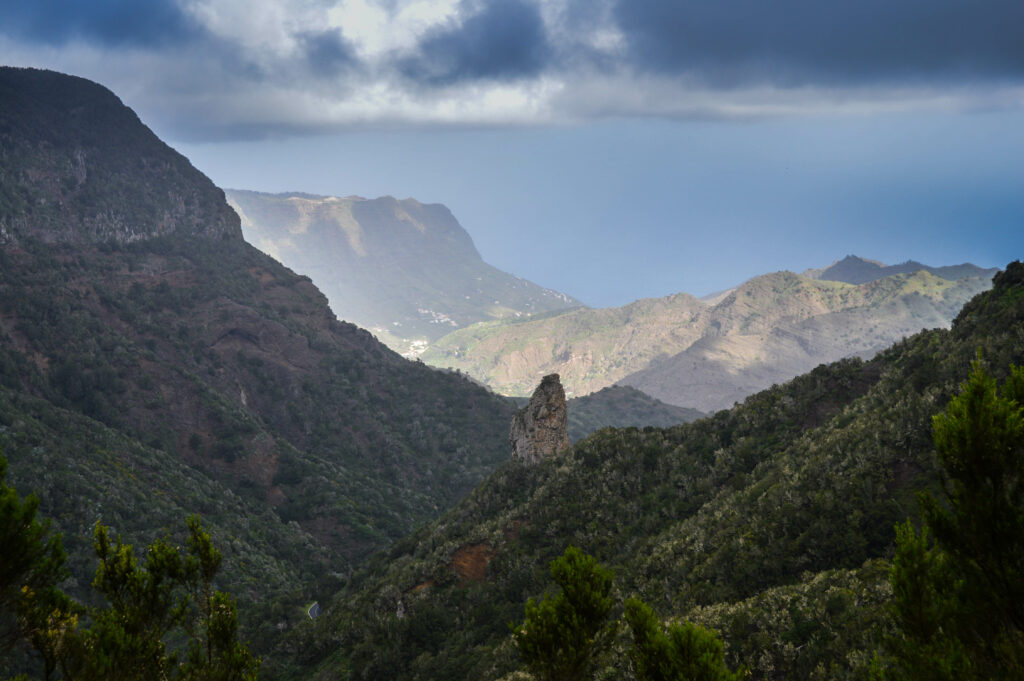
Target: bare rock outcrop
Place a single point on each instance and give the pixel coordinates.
(540, 429)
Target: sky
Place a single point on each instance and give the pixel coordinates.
(609, 149)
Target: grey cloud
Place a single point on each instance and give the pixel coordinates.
(505, 40)
(736, 42)
(327, 52)
(107, 22)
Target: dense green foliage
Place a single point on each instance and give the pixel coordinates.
(147, 609)
(683, 652)
(621, 406)
(563, 633)
(959, 601)
(147, 603)
(32, 565)
(769, 523)
(146, 379)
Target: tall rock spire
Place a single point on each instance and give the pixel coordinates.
(540, 429)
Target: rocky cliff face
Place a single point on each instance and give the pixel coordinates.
(540, 429)
(79, 167)
(405, 270)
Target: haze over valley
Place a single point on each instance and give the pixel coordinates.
(410, 274)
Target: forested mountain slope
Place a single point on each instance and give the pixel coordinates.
(153, 364)
(622, 406)
(769, 521)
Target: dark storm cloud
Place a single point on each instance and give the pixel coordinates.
(505, 40)
(327, 52)
(734, 42)
(107, 22)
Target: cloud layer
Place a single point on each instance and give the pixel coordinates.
(244, 68)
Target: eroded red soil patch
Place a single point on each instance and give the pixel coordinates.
(470, 562)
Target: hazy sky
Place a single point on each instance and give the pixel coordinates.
(612, 149)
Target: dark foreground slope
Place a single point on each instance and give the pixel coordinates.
(153, 365)
(770, 522)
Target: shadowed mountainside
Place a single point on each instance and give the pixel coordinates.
(621, 406)
(154, 365)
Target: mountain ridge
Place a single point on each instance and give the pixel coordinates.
(856, 270)
(406, 270)
(713, 343)
(66, 177)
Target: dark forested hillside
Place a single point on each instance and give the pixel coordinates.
(77, 166)
(622, 406)
(153, 365)
(770, 522)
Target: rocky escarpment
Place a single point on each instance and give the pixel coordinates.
(540, 429)
(405, 270)
(79, 167)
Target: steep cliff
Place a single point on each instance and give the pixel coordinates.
(77, 166)
(405, 270)
(540, 429)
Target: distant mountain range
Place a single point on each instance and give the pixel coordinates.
(708, 354)
(854, 270)
(406, 271)
(410, 274)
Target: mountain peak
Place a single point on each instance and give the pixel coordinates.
(80, 167)
(854, 269)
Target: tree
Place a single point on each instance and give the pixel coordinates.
(150, 602)
(31, 606)
(683, 652)
(215, 652)
(959, 600)
(563, 633)
(127, 638)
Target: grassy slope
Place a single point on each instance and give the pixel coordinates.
(777, 325)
